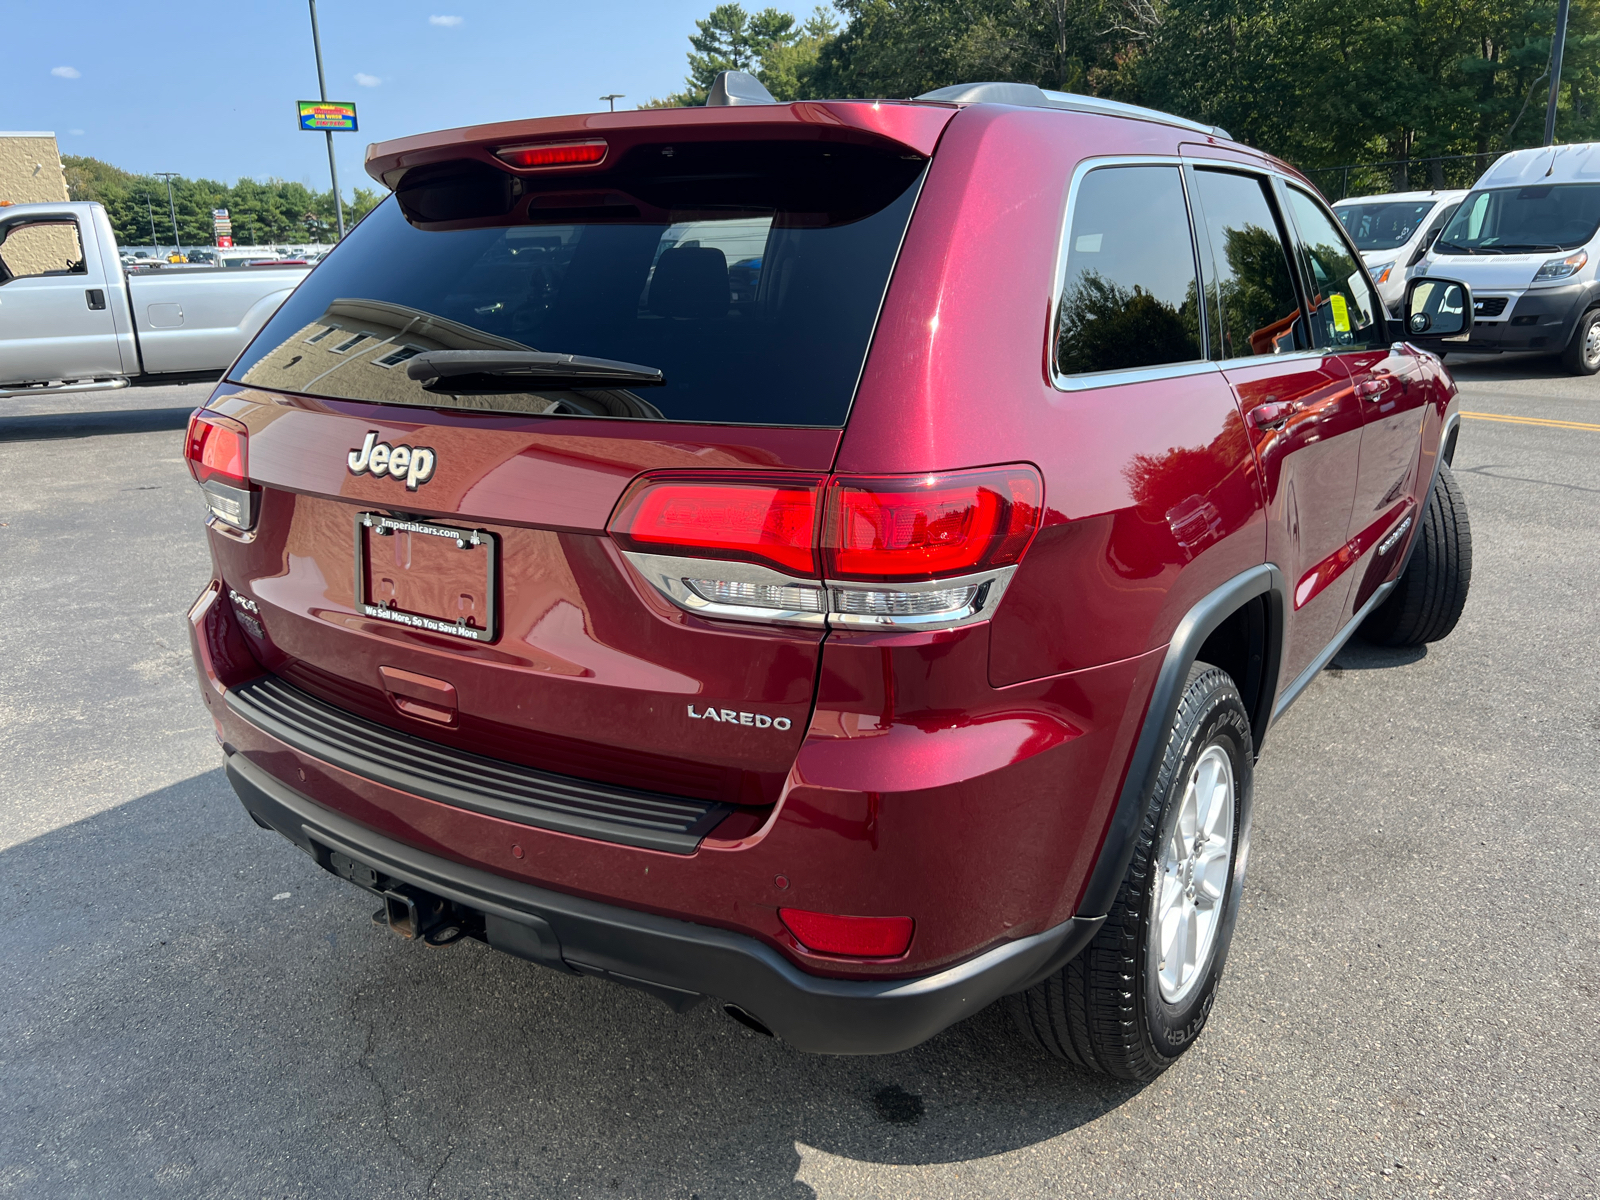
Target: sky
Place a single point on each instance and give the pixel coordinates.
(209, 90)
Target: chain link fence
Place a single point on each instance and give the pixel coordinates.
(1401, 175)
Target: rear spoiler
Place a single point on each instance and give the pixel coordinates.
(913, 127)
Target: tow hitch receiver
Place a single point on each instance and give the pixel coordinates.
(407, 910)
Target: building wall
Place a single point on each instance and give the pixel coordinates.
(31, 173)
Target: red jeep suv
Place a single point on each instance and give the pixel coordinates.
(840, 559)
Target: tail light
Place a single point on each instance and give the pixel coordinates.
(800, 550)
(218, 453)
(742, 518)
(930, 526)
(858, 937)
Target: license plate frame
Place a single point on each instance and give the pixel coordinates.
(370, 525)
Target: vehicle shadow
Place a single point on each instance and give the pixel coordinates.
(189, 1001)
(45, 427)
(1357, 655)
(1504, 368)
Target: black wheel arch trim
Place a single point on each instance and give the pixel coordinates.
(1199, 623)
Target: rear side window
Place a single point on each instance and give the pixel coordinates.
(1252, 284)
(749, 274)
(1129, 294)
(1344, 313)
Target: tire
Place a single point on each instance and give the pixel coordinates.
(1109, 1009)
(1582, 355)
(1427, 601)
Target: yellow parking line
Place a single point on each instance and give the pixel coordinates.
(1531, 421)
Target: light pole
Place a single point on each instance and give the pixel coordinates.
(169, 176)
(612, 99)
(1556, 49)
(322, 87)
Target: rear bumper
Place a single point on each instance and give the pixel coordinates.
(679, 961)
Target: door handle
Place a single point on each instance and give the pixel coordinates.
(96, 298)
(1272, 414)
(1375, 386)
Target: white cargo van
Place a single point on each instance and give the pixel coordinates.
(1393, 233)
(1524, 240)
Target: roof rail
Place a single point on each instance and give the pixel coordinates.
(1027, 95)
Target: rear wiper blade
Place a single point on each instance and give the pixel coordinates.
(525, 370)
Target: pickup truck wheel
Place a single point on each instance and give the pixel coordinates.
(1582, 355)
(1139, 994)
(1427, 601)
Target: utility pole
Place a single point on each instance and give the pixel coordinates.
(169, 176)
(612, 99)
(322, 86)
(1556, 49)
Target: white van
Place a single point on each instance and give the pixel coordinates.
(1524, 240)
(1393, 233)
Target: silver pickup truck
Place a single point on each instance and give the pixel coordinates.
(72, 320)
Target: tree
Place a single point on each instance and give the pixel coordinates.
(767, 44)
(1321, 83)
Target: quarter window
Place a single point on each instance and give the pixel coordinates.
(1250, 279)
(1344, 313)
(1129, 295)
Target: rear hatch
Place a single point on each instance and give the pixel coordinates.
(433, 478)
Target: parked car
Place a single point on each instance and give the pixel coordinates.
(885, 634)
(1526, 240)
(91, 323)
(1393, 233)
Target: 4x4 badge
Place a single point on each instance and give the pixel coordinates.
(414, 464)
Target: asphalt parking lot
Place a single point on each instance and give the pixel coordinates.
(188, 1007)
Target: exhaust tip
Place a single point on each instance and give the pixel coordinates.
(745, 1019)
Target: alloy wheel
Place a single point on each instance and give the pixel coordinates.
(1193, 877)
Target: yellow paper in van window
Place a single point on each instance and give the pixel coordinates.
(1341, 313)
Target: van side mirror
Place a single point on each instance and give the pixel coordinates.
(1437, 308)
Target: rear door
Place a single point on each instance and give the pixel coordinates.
(749, 276)
(1297, 401)
(55, 319)
(1388, 382)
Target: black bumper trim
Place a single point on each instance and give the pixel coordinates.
(509, 791)
(666, 955)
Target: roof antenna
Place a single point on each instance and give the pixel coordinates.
(737, 87)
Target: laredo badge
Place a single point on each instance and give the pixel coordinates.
(414, 464)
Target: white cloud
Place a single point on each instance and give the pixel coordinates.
(65, 72)
(367, 80)
(447, 22)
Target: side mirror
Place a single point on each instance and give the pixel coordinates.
(1437, 308)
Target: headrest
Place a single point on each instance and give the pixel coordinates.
(691, 281)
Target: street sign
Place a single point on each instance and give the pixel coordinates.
(327, 114)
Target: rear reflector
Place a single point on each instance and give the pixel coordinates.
(555, 154)
(747, 518)
(859, 937)
(929, 526)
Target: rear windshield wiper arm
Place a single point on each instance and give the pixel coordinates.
(524, 370)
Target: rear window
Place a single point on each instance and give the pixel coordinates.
(749, 275)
